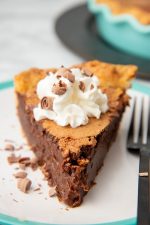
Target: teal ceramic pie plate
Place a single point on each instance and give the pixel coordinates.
(122, 31)
(28, 203)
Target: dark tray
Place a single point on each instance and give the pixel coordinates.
(77, 30)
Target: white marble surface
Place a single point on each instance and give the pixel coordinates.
(28, 38)
(27, 35)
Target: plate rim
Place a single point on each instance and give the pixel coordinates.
(7, 220)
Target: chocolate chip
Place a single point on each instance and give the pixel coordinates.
(59, 88)
(24, 160)
(82, 86)
(20, 174)
(69, 76)
(47, 103)
(9, 147)
(13, 159)
(28, 162)
(87, 72)
(24, 185)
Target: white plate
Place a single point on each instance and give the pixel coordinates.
(113, 198)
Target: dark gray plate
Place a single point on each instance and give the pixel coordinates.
(76, 29)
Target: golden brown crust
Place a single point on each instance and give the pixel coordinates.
(126, 7)
(111, 75)
(114, 79)
(26, 81)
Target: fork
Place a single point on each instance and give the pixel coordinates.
(138, 142)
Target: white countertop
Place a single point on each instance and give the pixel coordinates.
(28, 38)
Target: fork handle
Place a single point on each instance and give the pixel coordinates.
(143, 189)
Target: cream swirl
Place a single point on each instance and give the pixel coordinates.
(70, 97)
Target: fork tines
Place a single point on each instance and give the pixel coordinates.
(139, 131)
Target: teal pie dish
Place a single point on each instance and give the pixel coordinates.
(121, 31)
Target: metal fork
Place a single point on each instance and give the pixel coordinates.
(138, 142)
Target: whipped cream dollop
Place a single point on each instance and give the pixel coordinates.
(70, 97)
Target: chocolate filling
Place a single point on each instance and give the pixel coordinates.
(74, 175)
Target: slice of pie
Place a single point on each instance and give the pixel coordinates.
(71, 146)
(140, 9)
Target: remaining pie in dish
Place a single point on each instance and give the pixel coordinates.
(140, 9)
(71, 149)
